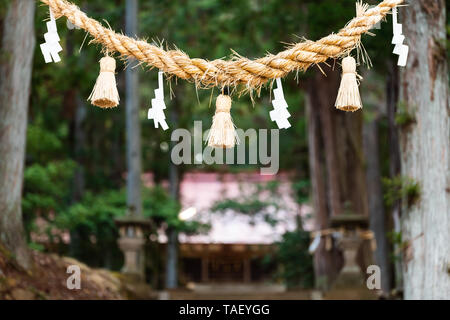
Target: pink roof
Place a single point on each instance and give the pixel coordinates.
(202, 190)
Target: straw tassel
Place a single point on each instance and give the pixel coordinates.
(105, 94)
(222, 133)
(348, 98)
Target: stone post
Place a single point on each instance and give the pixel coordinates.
(132, 243)
(350, 283)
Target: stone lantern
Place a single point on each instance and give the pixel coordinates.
(350, 283)
(132, 243)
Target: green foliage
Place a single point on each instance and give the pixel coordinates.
(294, 259)
(36, 246)
(96, 213)
(91, 223)
(403, 116)
(399, 245)
(3, 7)
(448, 42)
(261, 200)
(47, 189)
(249, 207)
(302, 190)
(44, 145)
(401, 189)
(158, 205)
(395, 237)
(51, 179)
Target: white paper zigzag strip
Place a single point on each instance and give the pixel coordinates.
(51, 48)
(156, 112)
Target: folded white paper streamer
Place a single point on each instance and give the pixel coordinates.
(156, 112)
(400, 49)
(280, 114)
(51, 48)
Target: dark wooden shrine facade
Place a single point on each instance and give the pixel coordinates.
(224, 263)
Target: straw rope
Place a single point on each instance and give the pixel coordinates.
(238, 70)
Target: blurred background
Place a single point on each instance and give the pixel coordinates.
(207, 231)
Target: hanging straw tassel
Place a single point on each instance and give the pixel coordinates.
(348, 98)
(222, 133)
(105, 94)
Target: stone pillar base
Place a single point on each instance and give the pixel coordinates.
(132, 244)
(350, 283)
(133, 251)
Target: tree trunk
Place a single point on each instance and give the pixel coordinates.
(326, 263)
(377, 214)
(133, 124)
(17, 48)
(79, 175)
(392, 96)
(79, 147)
(337, 165)
(172, 234)
(425, 152)
(75, 113)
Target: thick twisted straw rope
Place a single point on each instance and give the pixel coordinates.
(253, 73)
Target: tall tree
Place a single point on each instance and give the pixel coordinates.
(17, 47)
(392, 96)
(133, 125)
(174, 185)
(335, 141)
(377, 214)
(425, 152)
(337, 165)
(327, 263)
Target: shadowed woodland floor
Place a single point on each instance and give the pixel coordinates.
(47, 281)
